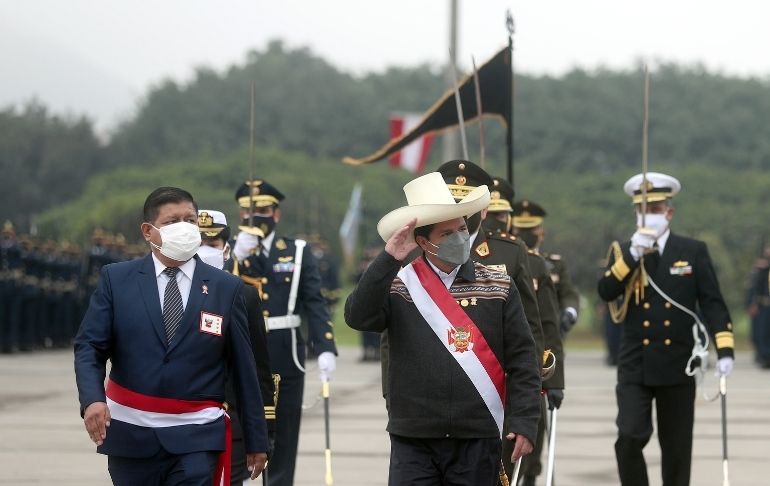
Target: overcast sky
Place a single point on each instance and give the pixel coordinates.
(99, 57)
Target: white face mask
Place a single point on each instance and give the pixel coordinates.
(179, 241)
(656, 222)
(213, 256)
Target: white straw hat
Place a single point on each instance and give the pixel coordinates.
(430, 201)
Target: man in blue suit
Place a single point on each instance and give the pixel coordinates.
(170, 325)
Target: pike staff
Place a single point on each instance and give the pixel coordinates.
(328, 452)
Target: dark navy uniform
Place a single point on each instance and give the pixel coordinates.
(657, 343)
(274, 277)
(758, 300)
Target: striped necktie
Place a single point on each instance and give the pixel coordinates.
(172, 304)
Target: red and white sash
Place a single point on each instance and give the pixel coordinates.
(444, 315)
(156, 412)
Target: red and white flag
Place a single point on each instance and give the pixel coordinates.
(413, 156)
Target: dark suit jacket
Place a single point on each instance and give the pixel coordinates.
(657, 337)
(124, 324)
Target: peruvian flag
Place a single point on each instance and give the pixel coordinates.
(413, 156)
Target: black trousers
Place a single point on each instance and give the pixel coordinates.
(288, 414)
(444, 462)
(164, 469)
(675, 410)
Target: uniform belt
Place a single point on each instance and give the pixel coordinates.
(283, 322)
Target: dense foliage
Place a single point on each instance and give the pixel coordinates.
(577, 138)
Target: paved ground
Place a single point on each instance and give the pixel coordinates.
(42, 440)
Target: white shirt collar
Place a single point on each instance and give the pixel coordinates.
(187, 269)
(267, 243)
(474, 235)
(446, 278)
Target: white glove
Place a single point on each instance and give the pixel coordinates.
(327, 363)
(641, 243)
(725, 366)
(244, 243)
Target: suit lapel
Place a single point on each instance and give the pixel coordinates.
(148, 287)
(195, 301)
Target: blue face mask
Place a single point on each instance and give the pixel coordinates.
(454, 249)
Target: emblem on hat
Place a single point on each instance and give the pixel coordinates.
(204, 219)
(461, 180)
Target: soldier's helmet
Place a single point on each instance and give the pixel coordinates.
(257, 193)
(527, 214)
(462, 176)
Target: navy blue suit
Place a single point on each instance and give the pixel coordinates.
(124, 324)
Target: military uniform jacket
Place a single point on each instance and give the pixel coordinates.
(657, 337)
(273, 277)
(566, 292)
(430, 395)
(507, 254)
(548, 305)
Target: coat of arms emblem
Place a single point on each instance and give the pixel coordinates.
(460, 339)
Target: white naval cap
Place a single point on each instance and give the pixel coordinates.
(211, 222)
(659, 187)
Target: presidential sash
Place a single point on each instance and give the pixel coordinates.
(157, 412)
(458, 333)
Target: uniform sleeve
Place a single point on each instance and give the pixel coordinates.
(712, 304)
(366, 308)
(522, 278)
(258, 336)
(320, 330)
(522, 369)
(247, 388)
(549, 317)
(93, 344)
(621, 265)
(566, 291)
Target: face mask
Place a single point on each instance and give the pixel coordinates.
(495, 225)
(473, 222)
(656, 222)
(213, 256)
(529, 238)
(179, 241)
(264, 223)
(454, 249)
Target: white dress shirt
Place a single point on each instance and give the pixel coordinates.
(661, 241)
(183, 279)
(446, 278)
(267, 243)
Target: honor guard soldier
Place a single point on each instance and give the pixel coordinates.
(215, 251)
(758, 300)
(527, 225)
(497, 220)
(10, 283)
(655, 361)
(285, 273)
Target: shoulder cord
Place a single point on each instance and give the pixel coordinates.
(300, 245)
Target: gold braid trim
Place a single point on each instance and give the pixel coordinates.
(635, 285)
(724, 339)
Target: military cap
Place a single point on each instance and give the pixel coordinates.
(659, 187)
(527, 214)
(262, 194)
(462, 176)
(211, 223)
(501, 196)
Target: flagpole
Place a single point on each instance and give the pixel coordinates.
(460, 117)
(450, 137)
(479, 112)
(509, 135)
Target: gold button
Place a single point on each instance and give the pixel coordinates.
(287, 279)
(667, 305)
(607, 273)
(464, 302)
(668, 342)
(329, 335)
(646, 305)
(265, 296)
(246, 263)
(646, 341)
(729, 326)
(264, 280)
(646, 323)
(666, 323)
(503, 235)
(266, 313)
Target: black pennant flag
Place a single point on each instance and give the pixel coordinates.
(496, 86)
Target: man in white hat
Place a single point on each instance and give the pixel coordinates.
(656, 360)
(456, 330)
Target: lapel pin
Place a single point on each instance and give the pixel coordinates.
(205, 289)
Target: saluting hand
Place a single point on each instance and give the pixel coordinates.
(401, 244)
(96, 419)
